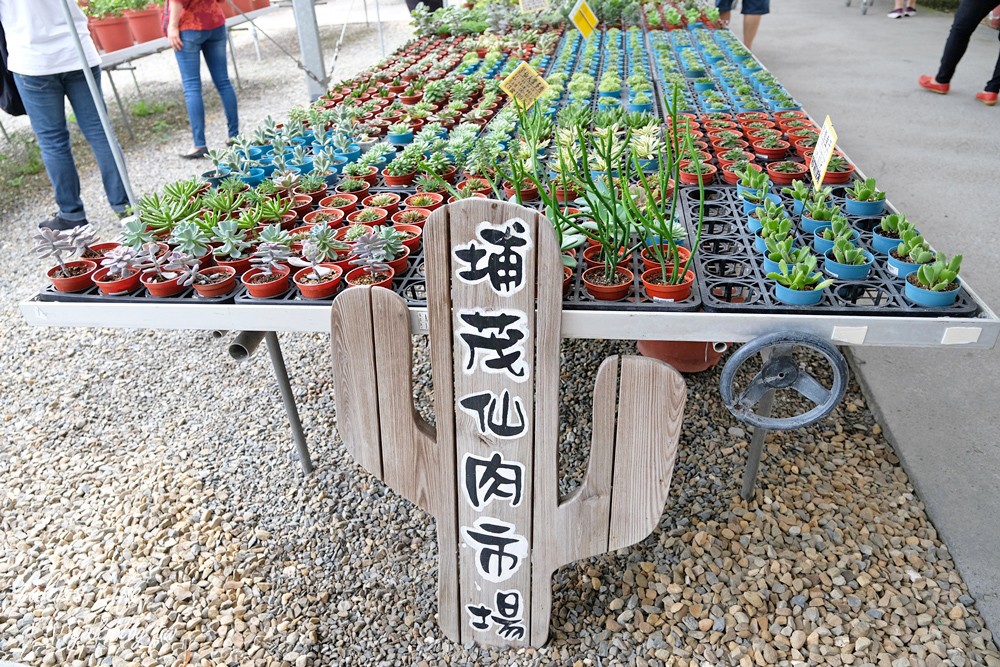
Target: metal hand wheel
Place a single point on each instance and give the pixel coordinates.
(780, 371)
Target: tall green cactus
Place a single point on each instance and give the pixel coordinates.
(638, 406)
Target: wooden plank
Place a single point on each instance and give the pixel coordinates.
(352, 340)
(437, 268)
(410, 457)
(650, 416)
(495, 531)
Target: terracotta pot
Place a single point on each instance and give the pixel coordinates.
(244, 5)
(837, 177)
(316, 196)
(160, 288)
(416, 233)
(341, 234)
(218, 288)
(113, 33)
(144, 24)
(399, 264)
(732, 177)
(270, 289)
(354, 274)
(677, 292)
(335, 214)
(772, 153)
(607, 292)
(685, 356)
(302, 205)
(353, 217)
(438, 201)
(112, 286)
(360, 194)
(82, 271)
(565, 194)
(240, 266)
(785, 178)
(592, 255)
(567, 279)
(399, 181)
(371, 178)
(328, 202)
(478, 185)
(707, 177)
(528, 192)
(320, 290)
(97, 250)
(397, 217)
(389, 208)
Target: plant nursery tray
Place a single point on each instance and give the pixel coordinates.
(93, 295)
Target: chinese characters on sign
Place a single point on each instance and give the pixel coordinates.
(496, 365)
(525, 85)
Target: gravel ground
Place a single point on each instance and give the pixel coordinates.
(151, 518)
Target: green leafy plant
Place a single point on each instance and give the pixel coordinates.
(865, 191)
(801, 276)
(893, 225)
(940, 275)
(846, 252)
(913, 248)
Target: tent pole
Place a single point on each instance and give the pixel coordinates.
(99, 103)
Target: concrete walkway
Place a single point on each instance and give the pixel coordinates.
(938, 158)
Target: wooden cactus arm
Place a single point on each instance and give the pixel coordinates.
(375, 413)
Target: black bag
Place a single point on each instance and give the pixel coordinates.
(10, 99)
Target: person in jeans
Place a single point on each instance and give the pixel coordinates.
(752, 11)
(47, 71)
(969, 15)
(196, 28)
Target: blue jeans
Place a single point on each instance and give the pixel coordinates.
(211, 43)
(45, 101)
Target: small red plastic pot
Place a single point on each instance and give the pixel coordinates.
(160, 288)
(80, 278)
(318, 290)
(269, 289)
(220, 287)
(119, 285)
(360, 276)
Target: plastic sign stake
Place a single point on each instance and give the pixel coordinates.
(533, 5)
(822, 153)
(583, 18)
(524, 85)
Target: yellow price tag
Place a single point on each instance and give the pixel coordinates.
(583, 18)
(822, 153)
(524, 85)
(533, 5)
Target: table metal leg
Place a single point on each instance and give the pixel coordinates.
(281, 375)
(4, 131)
(256, 40)
(121, 107)
(232, 52)
(135, 81)
(756, 447)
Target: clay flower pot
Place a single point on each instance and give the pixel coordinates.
(315, 196)
(479, 185)
(333, 202)
(400, 217)
(220, 286)
(399, 264)
(80, 276)
(260, 288)
(113, 33)
(785, 177)
(592, 255)
(360, 276)
(331, 216)
(528, 191)
(239, 266)
(649, 260)
(390, 208)
(593, 281)
(118, 285)
(144, 24)
(324, 288)
(413, 233)
(301, 205)
(416, 201)
(657, 290)
(399, 181)
(352, 218)
(706, 177)
(160, 288)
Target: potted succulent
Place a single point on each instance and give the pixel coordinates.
(799, 284)
(838, 170)
(818, 210)
(864, 198)
(848, 262)
(316, 279)
(231, 246)
(215, 281)
(936, 284)
(400, 134)
(910, 254)
(353, 186)
(160, 271)
(67, 276)
(344, 202)
(312, 186)
(825, 237)
(388, 201)
(886, 236)
(411, 216)
(397, 252)
(118, 273)
(269, 276)
(785, 172)
(191, 239)
(368, 216)
(370, 255)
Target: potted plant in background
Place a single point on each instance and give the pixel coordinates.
(864, 198)
(316, 279)
(370, 256)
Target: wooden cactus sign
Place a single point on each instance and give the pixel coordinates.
(488, 471)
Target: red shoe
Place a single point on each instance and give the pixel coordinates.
(987, 98)
(930, 84)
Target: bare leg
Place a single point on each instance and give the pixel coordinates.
(750, 24)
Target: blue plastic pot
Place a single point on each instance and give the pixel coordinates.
(899, 267)
(254, 177)
(854, 207)
(352, 153)
(267, 164)
(770, 266)
(702, 87)
(798, 297)
(304, 167)
(759, 244)
(797, 206)
(749, 206)
(214, 180)
(848, 271)
(810, 226)
(929, 298)
(400, 139)
(753, 224)
(331, 179)
(338, 163)
(884, 244)
(645, 108)
(613, 93)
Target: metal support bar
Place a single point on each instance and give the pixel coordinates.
(281, 375)
(135, 81)
(232, 52)
(256, 40)
(378, 20)
(310, 47)
(4, 131)
(102, 112)
(121, 107)
(756, 447)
